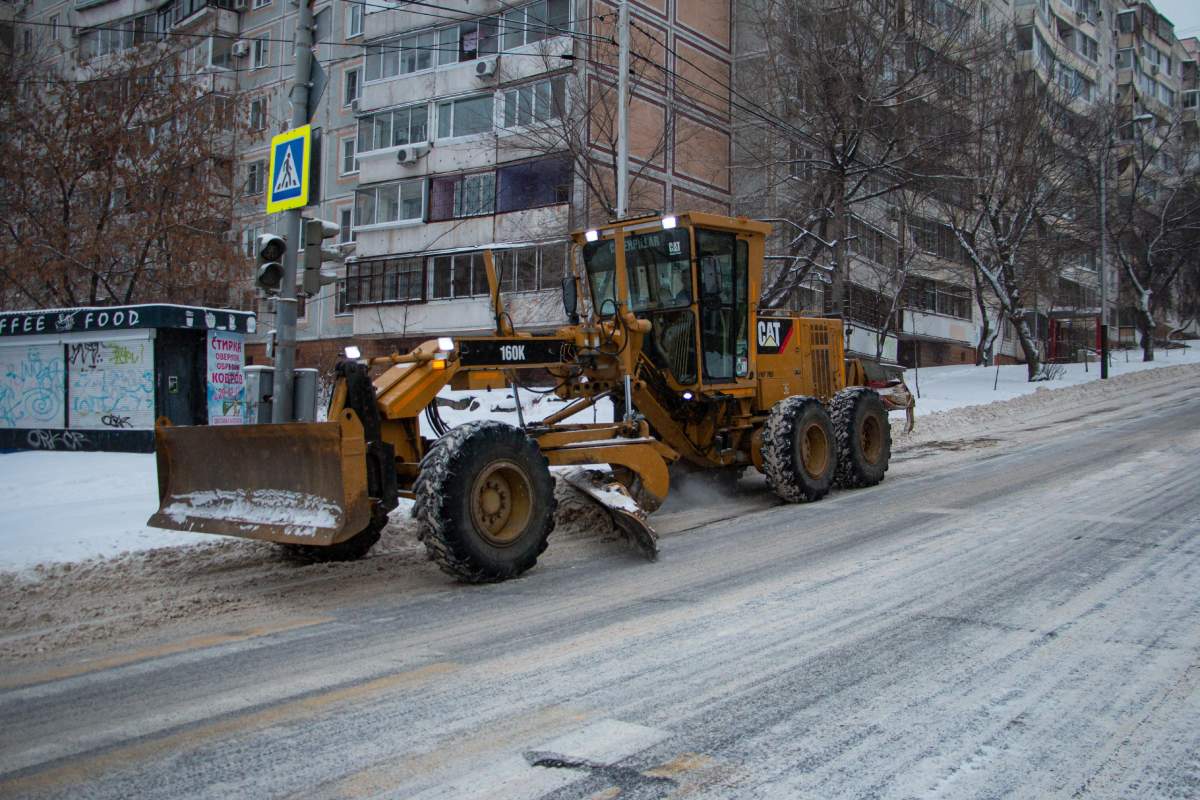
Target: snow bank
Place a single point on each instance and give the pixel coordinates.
(944, 388)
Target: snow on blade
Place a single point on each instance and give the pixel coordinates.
(302, 513)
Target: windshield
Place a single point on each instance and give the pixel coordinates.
(659, 266)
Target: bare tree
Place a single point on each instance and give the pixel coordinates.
(116, 182)
(854, 101)
(1021, 176)
(1154, 227)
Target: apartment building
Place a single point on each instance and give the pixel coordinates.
(489, 124)
(1094, 51)
(240, 49)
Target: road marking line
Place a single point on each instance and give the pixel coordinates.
(81, 769)
(158, 651)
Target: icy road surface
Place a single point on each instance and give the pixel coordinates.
(1015, 612)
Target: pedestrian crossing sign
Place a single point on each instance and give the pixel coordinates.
(287, 178)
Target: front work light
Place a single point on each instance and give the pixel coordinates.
(592, 236)
(668, 223)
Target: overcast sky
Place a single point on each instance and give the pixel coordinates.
(1184, 13)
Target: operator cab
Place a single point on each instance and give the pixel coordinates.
(692, 283)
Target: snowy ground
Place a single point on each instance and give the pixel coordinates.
(944, 388)
(70, 507)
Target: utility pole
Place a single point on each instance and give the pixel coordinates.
(623, 111)
(285, 315)
(1104, 260)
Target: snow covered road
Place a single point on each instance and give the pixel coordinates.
(1013, 613)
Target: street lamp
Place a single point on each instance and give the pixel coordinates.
(1104, 248)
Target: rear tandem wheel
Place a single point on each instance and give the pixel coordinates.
(864, 437)
(798, 449)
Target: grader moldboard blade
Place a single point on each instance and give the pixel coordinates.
(614, 498)
(294, 483)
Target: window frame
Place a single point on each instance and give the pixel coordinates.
(375, 204)
(354, 11)
(352, 76)
(261, 49)
(452, 103)
(264, 115)
(352, 141)
(256, 176)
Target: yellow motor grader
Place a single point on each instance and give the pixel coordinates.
(670, 332)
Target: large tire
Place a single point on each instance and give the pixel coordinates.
(799, 450)
(485, 501)
(352, 549)
(864, 437)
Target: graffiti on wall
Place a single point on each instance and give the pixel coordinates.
(111, 384)
(31, 386)
(226, 384)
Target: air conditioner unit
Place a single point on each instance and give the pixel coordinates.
(1079, 15)
(485, 68)
(354, 105)
(1154, 69)
(410, 154)
(240, 49)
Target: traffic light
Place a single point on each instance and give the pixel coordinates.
(317, 231)
(270, 249)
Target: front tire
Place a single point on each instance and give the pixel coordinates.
(864, 437)
(798, 449)
(485, 501)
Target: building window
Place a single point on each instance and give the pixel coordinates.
(532, 184)
(262, 53)
(391, 128)
(261, 3)
(458, 196)
(939, 298)
(250, 240)
(340, 306)
(346, 225)
(114, 37)
(535, 102)
(349, 156)
(391, 202)
(531, 268)
(535, 22)
(467, 40)
(258, 114)
(54, 27)
(387, 280)
(352, 86)
(256, 177)
(465, 116)
(459, 275)
(354, 20)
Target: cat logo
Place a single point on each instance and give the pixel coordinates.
(773, 335)
(768, 334)
(512, 352)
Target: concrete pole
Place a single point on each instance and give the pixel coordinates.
(623, 111)
(285, 316)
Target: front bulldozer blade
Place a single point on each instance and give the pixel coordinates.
(296, 482)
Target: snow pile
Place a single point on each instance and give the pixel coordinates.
(944, 388)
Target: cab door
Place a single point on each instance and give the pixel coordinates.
(724, 306)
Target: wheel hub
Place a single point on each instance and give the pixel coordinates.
(870, 439)
(501, 502)
(814, 450)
